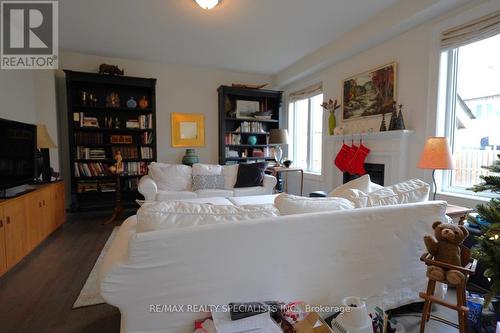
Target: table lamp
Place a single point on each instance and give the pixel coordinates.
(436, 156)
(278, 137)
(44, 143)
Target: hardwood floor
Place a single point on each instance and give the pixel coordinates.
(38, 294)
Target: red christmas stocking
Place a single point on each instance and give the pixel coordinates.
(341, 160)
(357, 163)
(352, 150)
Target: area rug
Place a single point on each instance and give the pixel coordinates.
(90, 295)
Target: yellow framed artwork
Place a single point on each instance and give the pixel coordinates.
(188, 130)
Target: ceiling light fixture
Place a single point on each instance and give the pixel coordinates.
(207, 4)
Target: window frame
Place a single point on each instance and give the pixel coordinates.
(450, 123)
(292, 126)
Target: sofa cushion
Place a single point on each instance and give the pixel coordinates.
(363, 183)
(201, 182)
(359, 198)
(291, 204)
(250, 174)
(175, 214)
(174, 195)
(254, 199)
(209, 193)
(171, 177)
(409, 191)
(212, 201)
(247, 191)
(230, 173)
(207, 169)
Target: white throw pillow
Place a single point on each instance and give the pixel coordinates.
(171, 177)
(230, 173)
(291, 204)
(174, 214)
(363, 184)
(207, 169)
(410, 191)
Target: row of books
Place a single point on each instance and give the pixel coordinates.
(147, 138)
(82, 138)
(90, 169)
(84, 153)
(250, 126)
(142, 122)
(131, 184)
(127, 152)
(146, 153)
(232, 139)
(85, 186)
(135, 168)
(80, 120)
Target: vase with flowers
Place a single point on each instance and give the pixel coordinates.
(331, 107)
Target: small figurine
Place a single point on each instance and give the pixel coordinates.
(383, 126)
(394, 118)
(110, 69)
(400, 123)
(143, 103)
(113, 100)
(119, 163)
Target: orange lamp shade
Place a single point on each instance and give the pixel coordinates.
(436, 154)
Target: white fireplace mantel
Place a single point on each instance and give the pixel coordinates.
(388, 148)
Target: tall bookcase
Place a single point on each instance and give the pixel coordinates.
(99, 126)
(235, 127)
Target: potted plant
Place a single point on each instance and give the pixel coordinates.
(331, 107)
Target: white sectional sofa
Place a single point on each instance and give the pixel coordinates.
(174, 182)
(316, 257)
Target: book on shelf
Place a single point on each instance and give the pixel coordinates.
(132, 123)
(146, 153)
(135, 168)
(92, 169)
(82, 138)
(127, 152)
(147, 138)
(85, 153)
(131, 184)
(145, 121)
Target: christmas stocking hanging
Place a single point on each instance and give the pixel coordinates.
(352, 150)
(357, 163)
(341, 160)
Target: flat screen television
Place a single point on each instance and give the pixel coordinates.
(17, 153)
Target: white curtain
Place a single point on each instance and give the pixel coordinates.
(306, 92)
(481, 28)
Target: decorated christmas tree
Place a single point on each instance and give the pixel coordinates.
(487, 250)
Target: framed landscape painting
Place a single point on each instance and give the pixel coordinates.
(370, 93)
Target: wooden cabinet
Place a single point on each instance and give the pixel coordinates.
(27, 220)
(3, 257)
(16, 231)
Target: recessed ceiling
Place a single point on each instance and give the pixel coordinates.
(261, 36)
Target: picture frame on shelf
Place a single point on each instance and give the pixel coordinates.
(246, 109)
(188, 130)
(371, 93)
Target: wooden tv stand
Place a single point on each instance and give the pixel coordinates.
(26, 220)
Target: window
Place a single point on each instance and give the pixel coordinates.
(305, 127)
(471, 103)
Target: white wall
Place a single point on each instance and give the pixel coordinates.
(416, 53)
(17, 91)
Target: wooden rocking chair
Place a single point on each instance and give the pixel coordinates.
(469, 268)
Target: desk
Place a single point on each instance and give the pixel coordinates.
(279, 169)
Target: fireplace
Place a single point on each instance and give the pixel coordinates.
(376, 172)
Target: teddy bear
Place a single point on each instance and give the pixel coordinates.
(445, 247)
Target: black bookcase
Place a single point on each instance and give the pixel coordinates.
(97, 130)
(235, 128)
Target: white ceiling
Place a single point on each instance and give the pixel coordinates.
(261, 36)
